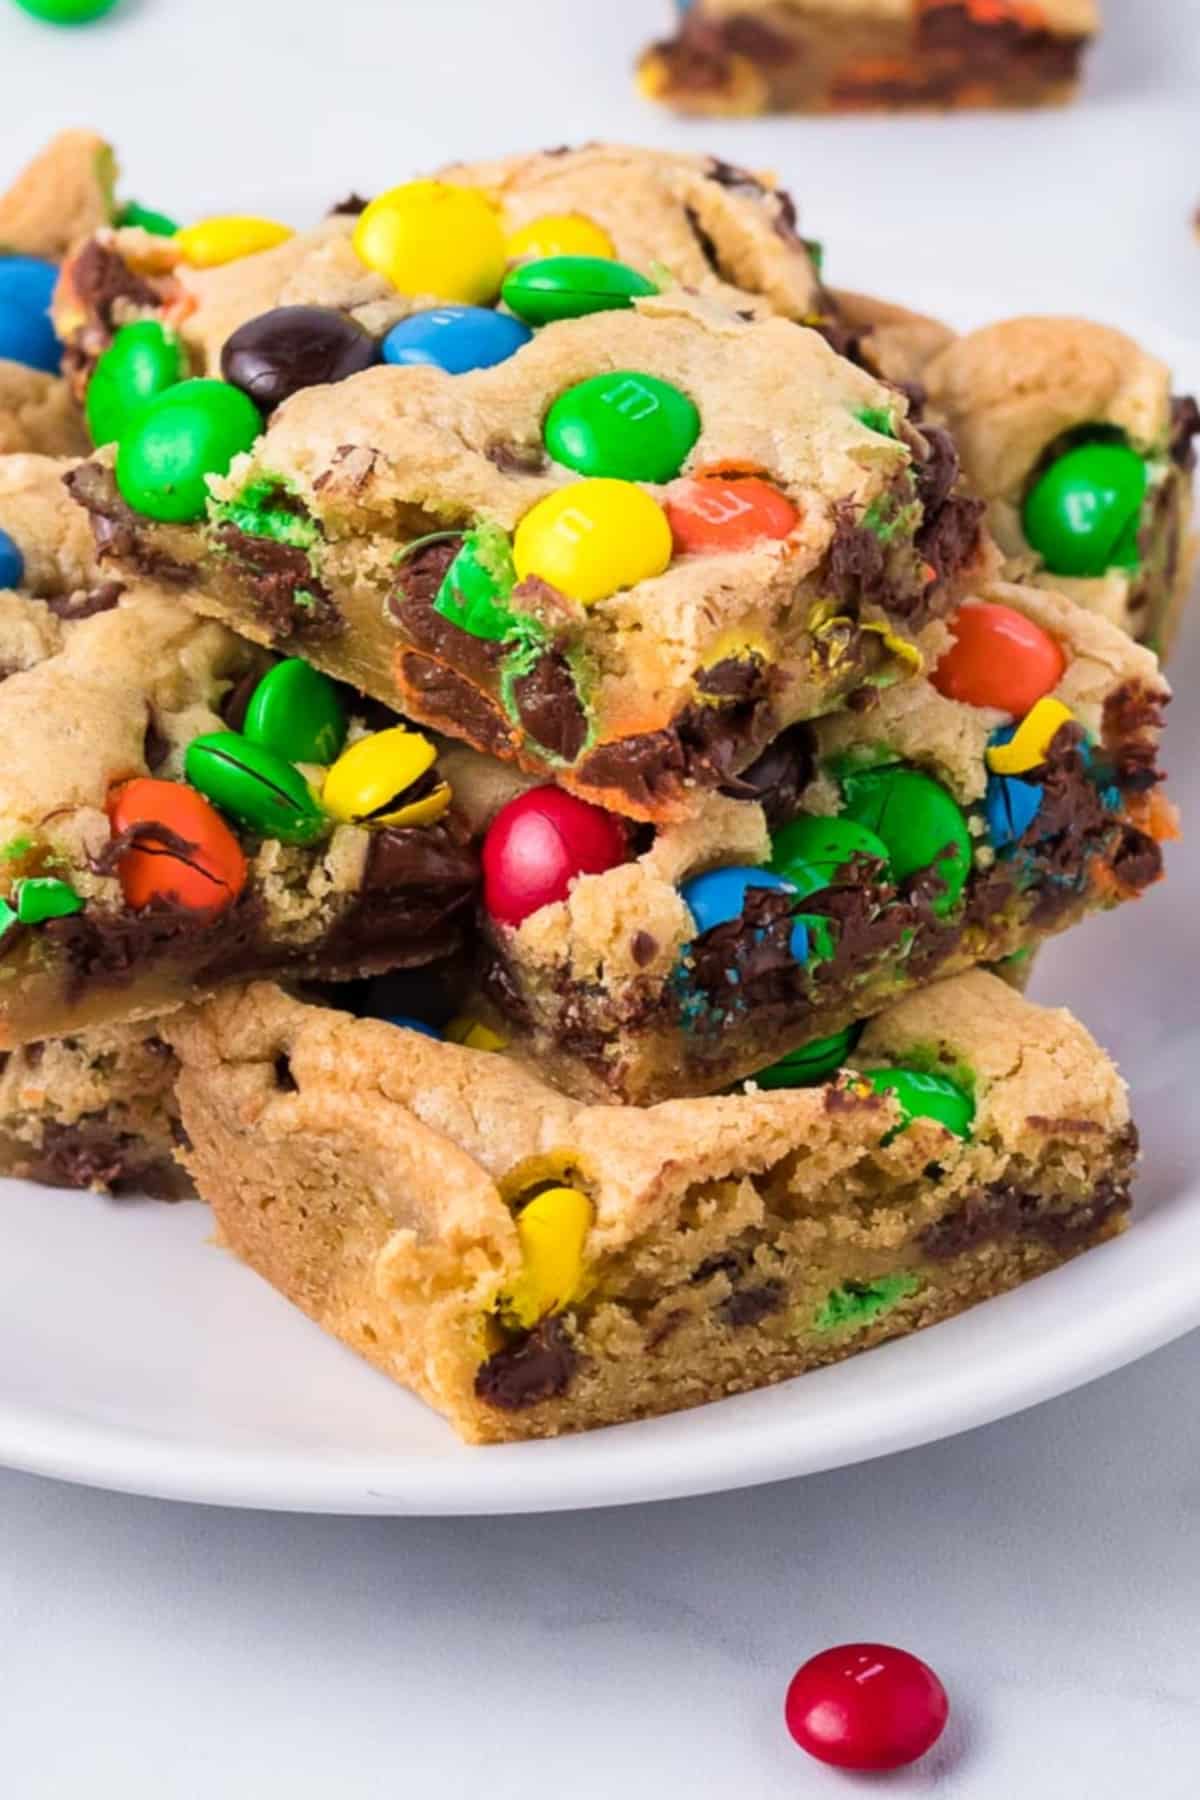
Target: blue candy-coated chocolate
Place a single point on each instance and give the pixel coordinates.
(455, 338)
(12, 563)
(407, 1024)
(1011, 804)
(720, 895)
(26, 334)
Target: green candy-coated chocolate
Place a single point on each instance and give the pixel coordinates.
(297, 712)
(858, 1303)
(475, 586)
(811, 1063)
(810, 852)
(43, 897)
(877, 418)
(921, 1096)
(142, 361)
(255, 786)
(626, 424)
(190, 431)
(921, 824)
(67, 12)
(569, 287)
(146, 219)
(1083, 513)
(8, 917)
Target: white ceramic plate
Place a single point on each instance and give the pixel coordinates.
(134, 1355)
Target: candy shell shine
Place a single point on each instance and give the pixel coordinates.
(538, 844)
(432, 237)
(593, 538)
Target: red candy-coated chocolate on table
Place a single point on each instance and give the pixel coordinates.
(866, 1706)
(726, 512)
(194, 861)
(998, 658)
(538, 844)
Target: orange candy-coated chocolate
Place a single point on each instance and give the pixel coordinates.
(727, 512)
(998, 658)
(207, 875)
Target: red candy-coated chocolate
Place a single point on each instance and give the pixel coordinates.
(727, 512)
(866, 1706)
(208, 874)
(998, 658)
(537, 844)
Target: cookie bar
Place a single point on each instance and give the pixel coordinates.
(38, 413)
(627, 556)
(715, 228)
(530, 1266)
(966, 815)
(177, 811)
(734, 57)
(1069, 431)
(94, 1111)
(63, 195)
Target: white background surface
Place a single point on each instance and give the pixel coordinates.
(1048, 1566)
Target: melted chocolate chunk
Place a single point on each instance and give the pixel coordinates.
(857, 570)
(439, 691)
(750, 1306)
(747, 36)
(1003, 1209)
(410, 604)
(155, 747)
(117, 530)
(85, 603)
(92, 1153)
(950, 538)
(352, 205)
(112, 949)
(1185, 428)
(538, 1366)
(708, 248)
(1003, 47)
(236, 701)
(1131, 721)
(778, 777)
(702, 745)
(289, 600)
(937, 472)
(549, 707)
(100, 278)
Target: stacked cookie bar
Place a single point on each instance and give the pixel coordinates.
(527, 723)
(736, 57)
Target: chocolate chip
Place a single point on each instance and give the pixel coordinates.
(85, 603)
(643, 947)
(351, 206)
(750, 1306)
(155, 747)
(538, 1366)
(778, 776)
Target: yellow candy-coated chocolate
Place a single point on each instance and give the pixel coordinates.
(593, 538)
(552, 1230)
(1027, 748)
(433, 238)
(473, 1034)
(559, 234)
(368, 782)
(211, 242)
